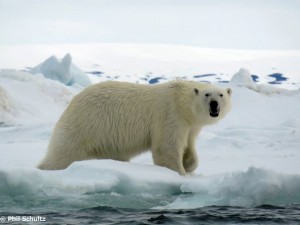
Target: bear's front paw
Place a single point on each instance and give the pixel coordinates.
(190, 164)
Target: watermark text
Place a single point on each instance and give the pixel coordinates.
(22, 219)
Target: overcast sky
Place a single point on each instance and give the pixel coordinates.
(239, 24)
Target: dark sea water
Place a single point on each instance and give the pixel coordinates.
(265, 214)
(77, 196)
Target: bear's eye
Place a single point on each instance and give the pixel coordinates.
(196, 91)
(207, 95)
(221, 95)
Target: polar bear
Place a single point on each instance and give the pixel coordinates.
(119, 120)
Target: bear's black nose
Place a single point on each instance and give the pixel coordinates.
(214, 108)
(213, 105)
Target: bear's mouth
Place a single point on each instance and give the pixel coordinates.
(214, 109)
(214, 114)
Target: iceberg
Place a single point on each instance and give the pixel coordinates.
(243, 79)
(63, 71)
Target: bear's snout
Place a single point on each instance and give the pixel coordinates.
(214, 108)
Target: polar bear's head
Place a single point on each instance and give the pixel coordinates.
(212, 103)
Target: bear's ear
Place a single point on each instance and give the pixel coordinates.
(196, 91)
(229, 91)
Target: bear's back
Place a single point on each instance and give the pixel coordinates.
(123, 114)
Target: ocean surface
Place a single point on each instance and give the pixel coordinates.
(265, 214)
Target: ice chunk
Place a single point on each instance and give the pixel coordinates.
(62, 70)
(253, 187)
(243, 78)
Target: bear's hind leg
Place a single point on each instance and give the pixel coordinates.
(60, 156)
(52, 163)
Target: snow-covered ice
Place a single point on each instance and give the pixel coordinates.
(250, 158)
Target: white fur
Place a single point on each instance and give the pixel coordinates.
(118, 120)
(4, 101)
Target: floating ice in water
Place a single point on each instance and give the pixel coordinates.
(64, 71)
(122, 184)
(253, 187)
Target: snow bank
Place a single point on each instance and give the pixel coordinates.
(118, 184)
(27, 98)
(64, 71)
